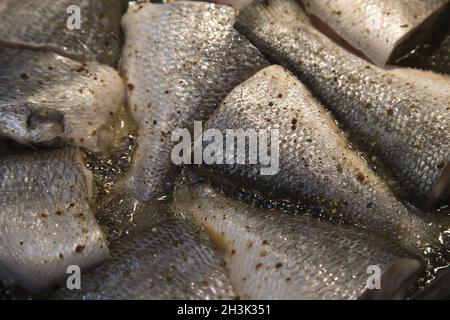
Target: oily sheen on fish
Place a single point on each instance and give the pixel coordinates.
(170, 260)
(46, 221)
(279, 256)
(45, 98)
(407, 123)
(180, 60)
(377, 28)
(48, 25)
(316, 164)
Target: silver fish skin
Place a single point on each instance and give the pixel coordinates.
(407, 124)
(46, 220)
(171, 260)
(45, 98)
(378, 28)
(180, 60)
(44, 25)
(316, 164)
(280, 256)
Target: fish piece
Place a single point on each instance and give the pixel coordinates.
(407, 124)
(280, 256)
(316, 164)
(45, 25)
(46, 220)
(180, 60)
(379, 29)
(171, 260)
(45, 98)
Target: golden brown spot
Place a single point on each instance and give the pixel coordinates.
(79, 248)
(360, 177)
(80, 216)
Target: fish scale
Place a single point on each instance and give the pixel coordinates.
(180, 60)
(379, 29)
(316, 165)
(98, 39)
(280, 256)
(46, 220)
(169, 260)
(407, 123)
(45, 98)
